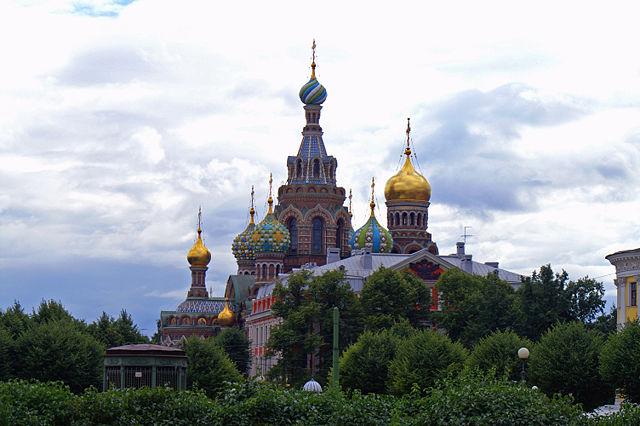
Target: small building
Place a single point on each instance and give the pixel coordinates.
(627, 263)
(135, 366)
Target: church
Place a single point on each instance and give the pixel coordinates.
(311, 228)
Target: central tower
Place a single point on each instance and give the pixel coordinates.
(310, 205)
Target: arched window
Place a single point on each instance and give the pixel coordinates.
(418, 219)
(412, 218)
(299, 168)
(264, 272)
(316, 235)
(397, 221)
(339, 230)
(277, 270)
(293, 233)
(316, 168)
(271, 271)
(404, 218)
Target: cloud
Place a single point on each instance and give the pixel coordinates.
(99, 8)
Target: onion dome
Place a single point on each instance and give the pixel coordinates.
(241, 247)
(373, 235)
(313, 93)
(199, 255)
(226, 317)
(270, 236)
(312, 386)
(407, 184)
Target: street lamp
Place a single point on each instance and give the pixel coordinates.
(523, 354)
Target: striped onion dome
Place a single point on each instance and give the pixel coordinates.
(373, 235)
(312, 386)
(313, 93)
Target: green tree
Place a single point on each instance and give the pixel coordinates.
(566, 361)
(389, 296)
(116, 332)
(499, 352)
(473, 306)
(422, 359)
(208, 366)
(59, 350)
(305, 304)
(14, 320)
(606, 323)
(619, 361)
(50, 310)
(365, 364)
(7, 351)
(236, 345)
(547, 297)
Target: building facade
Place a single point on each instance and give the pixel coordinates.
(627, 264)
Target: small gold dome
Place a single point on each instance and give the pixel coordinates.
(226, 317)
(199, 255)
(407, 184)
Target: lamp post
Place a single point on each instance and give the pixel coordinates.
(523, 354)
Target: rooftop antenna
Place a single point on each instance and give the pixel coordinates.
(465, 235)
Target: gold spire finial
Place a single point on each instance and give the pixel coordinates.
(407, 151)
(270, 200)
(313, 60)
(350, 196)
(372, 204)
(199, 220)
(252, 211)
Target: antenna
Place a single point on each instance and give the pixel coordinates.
(465, 235)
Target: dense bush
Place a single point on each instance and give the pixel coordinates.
(472, 398)
(619, 361)
(365, 364)
(499, 352)
(422, 359)
(236, 345)
(566, 361)
(208, 366)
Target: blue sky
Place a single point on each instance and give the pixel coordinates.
(119, 119)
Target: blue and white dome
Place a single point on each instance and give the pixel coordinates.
(312, 386)
(313, 93)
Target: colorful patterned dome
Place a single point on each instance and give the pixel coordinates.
(373, 235)
(313, 93)
(199, 255)
(241, 247)
(226, 317)
(270, 236)
(407, 184)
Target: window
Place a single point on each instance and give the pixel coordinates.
(316, 168)
(293, 233)
(264, 272)
(299, 168)
(633, 294)
(316, 236)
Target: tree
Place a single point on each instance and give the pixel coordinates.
(59, 350)
(389, 296)
(208, 367)
(7, 351)
(365, 364)
(14, 320)
(50, 310)
(499, 352)
(606, 323)
(236, 345)
(566, 361)
(547, 297)
(305, 304)
(116, 332)
(619, 361)
(473, 306)
(422, 359)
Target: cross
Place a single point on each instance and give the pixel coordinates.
(373, 185)
(313, 48)
(199, 218)
(270, 182)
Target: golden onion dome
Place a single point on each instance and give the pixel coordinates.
(407, 184)
(226, 317)
(199, 255)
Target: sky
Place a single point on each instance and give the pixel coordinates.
(119, 119)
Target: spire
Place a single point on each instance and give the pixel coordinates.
(199, 221)
(350, 196)
(270, 200)
(407, 151)
(372, 204)
(252, 211)
(313, 60)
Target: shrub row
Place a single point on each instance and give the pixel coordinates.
(468, 399)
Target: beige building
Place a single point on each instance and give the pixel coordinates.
(627, 263)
